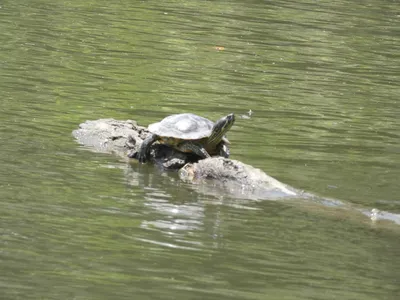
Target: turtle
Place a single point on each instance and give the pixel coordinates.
(189, 133)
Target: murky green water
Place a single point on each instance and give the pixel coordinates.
(323, 83)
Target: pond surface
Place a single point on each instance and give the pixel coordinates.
(322, 81)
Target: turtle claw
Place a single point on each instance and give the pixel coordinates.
(141, 158)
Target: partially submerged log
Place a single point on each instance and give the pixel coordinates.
(236, 179)
(124, 138)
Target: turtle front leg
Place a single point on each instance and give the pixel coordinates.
(195, 148)
(224, 150)
(145, 147)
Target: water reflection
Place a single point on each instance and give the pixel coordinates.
(178, 210)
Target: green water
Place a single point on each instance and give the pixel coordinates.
(322, 80)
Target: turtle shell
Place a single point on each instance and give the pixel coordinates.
(183, 126)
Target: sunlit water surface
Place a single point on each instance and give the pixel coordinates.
(322, 81)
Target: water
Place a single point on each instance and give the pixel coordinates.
(323, 83)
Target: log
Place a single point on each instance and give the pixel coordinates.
(232, 177)
(124, 138)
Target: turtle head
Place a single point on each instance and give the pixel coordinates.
(220, 128)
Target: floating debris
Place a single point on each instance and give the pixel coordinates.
(374, 214)
(248, 115)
